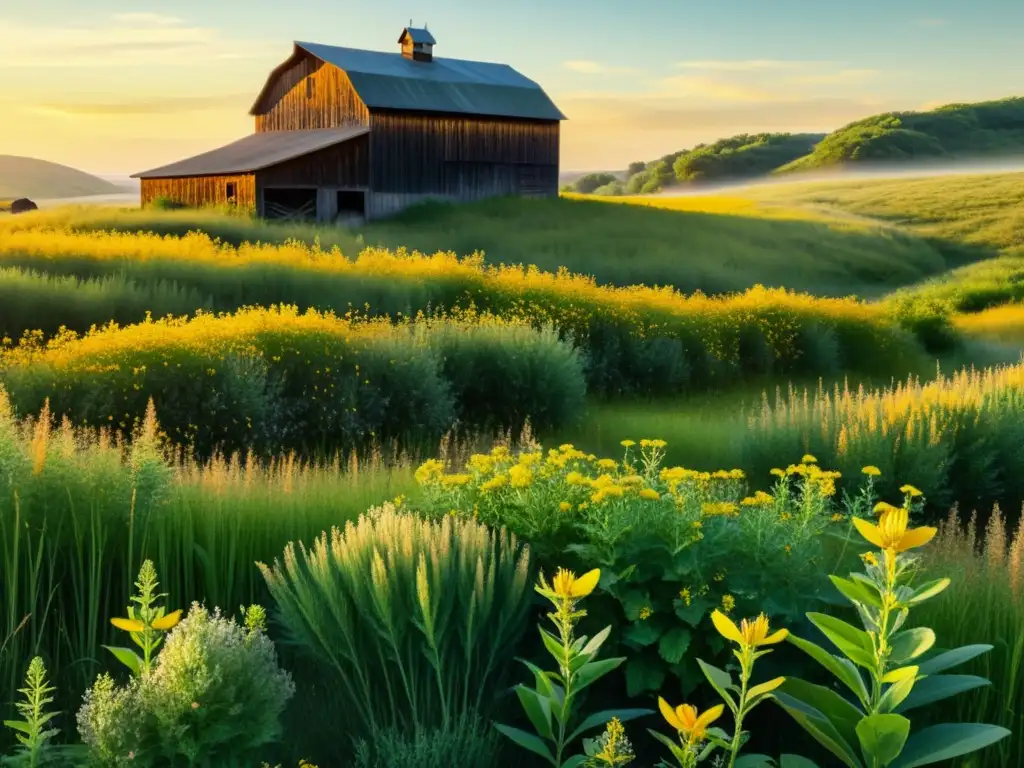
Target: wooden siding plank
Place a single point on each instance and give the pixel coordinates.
(343, 165)
(309, 95)
(199, 191)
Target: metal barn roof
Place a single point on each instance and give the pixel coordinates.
(391, 81)
(255, 152)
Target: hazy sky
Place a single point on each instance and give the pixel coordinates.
(112, 86)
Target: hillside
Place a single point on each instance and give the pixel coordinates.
(952, 131)
(32, 178)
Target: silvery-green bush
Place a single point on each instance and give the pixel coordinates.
(215, 697)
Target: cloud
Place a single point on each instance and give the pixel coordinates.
(691, 87)
(749, 65)
(164, 106)
(842, 76)
(123, 40)
(596, 68)
(147, 19)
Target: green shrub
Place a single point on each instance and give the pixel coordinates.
(274, 380)
(467, 743)
(416, 620)
(673, 543)
(214, 698)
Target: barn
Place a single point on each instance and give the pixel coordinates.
(345, 133)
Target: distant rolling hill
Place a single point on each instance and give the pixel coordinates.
(32, 178)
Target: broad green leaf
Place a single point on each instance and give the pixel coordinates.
(673, 644)
(538, 709)
(602, 718)
(575, 761)
(853, 642)
(595, 643)
(953, 658)
(895, 675)
(544, 685)
(928, 591)
(594, 671)
(18, 726)
(942, 742)
(843, 715)
(642, 634)
(910, 644)
(938, 687)
(643, 675)
(554, 646)
(795, 761)
(819, 727)
(527, 741)
(127, 657)
(754, 761)
(882, 738)
(674, 748)
(842, 669)
(857, 592)
(720, 681)
(897, 692)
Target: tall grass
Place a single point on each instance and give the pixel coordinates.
(984, 604)
(959, 436)
(79, 512)
(276, 380)
(636, 339)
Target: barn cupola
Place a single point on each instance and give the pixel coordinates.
(417, 43)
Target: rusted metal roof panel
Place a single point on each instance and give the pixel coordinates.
(255, 152)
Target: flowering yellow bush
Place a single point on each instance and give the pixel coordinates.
(675, 543)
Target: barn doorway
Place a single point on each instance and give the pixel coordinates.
(351, 206)
(289, 204)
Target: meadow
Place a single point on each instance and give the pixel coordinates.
(411, 439)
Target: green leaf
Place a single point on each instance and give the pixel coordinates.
(592, 671)
(721, 681)
(899, 690)
(928, 591)
(674, 644)
(643, 675)
(19, 725)
(819, 727)
(754, 761)
(602, 718)
(527, 741)
(642, 634)
(942, 742)
(853, 642)
(554, 646)
(938, 687)
(857, 592)
(674, 748)
(953, 658)
(843, 715)
(795, 761)
(127, 657)
(595, 643)
(910, 644)
(842, 669)
(575, 761)
(543, 682)
(538, 709)
(882, 737)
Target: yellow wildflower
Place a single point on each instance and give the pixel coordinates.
(650, 494)
(129, 625)
(910, 490)
(749, 634)
(607, 464)
(168, 622)
(575, 478)
(883, 507)
(653, 443)
(892, 533)
(498, 481)
(808, 459)
(429, 472)
(871, 470)
(520, 476)
(685, 596)
(627, 443)
(837, 517)
(712, 508)
(688, 721)
(728, 603)
(645, 613)
(565, 506)
(778, 473)
(448, 480)
(566, 584)
(869, 558)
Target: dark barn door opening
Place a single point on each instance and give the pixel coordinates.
(289, 203)
(351, 206)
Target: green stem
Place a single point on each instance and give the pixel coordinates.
(745, 672)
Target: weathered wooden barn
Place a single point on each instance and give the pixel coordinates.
(346, 132)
